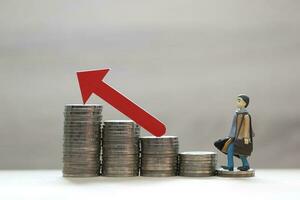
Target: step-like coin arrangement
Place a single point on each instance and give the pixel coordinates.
(81, 148)
(120, 152)
(159, 156)
(197, 163)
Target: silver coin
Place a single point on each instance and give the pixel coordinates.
(119, 122)
(86, 115)
(81, 152)
(82, 119)
(82, 137)
(80, 146)
(191, 169)
(82, 129)
(114, 128)
(198, 163)
(79, 175)
(121, 174)
(197, 154)
(79, 112)
(117, 169)
(207, 170)
(119, 145)
(159, 152)
(159, 168)
(124, 140)
(83, 106)
(82, 111)
(144, 161)
(123, 132)
(81, 166)
(118, 153)
(124, 164)
(159, 156)
(159, 149)
(121, 158)
(81, 160)
(105, 164)
(155, 144)
(197, 174)
(82, 132)
(81, 141)
(81, 172)
(73, 151)
(197, 159)
(196, 166)
(158, 138)
(83, 123)
(158, 173)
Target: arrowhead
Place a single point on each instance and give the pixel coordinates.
(88, 81)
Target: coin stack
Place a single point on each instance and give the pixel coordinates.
(81, 148)
(120, 141)
(159, 156)
(197, 163)
(236, 173)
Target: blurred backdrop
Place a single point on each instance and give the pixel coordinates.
(183, 61)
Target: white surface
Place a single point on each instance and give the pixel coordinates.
(49, 184)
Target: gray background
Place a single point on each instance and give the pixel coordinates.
(184, 61)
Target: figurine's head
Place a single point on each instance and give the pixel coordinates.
(242, 101)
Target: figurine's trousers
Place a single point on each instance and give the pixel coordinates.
(230, 154)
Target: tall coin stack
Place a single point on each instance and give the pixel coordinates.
(197, 163)
(81, 148)
(120, 140)
(159, 156)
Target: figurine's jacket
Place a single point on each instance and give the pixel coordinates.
(245, 126)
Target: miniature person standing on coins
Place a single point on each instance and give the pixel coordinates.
(239, 142)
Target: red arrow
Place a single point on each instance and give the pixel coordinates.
(91, 82)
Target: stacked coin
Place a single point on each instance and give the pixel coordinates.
(81, 148)
(236, 173)
(120, 141)
(159, 156)
(197, 163)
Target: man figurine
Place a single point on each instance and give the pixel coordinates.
(239, 142)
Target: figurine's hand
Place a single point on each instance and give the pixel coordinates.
(246, 140)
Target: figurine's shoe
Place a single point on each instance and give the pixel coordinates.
(227, 168)
(246, 168)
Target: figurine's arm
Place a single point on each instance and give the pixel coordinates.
(246, 133)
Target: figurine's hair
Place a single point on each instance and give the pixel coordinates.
(245, 98)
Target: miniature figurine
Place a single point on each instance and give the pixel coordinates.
(239, 142)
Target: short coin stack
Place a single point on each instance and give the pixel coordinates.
(81, 146)
(120, 140)
(236, 173)
(197, 163)
(159, 156)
